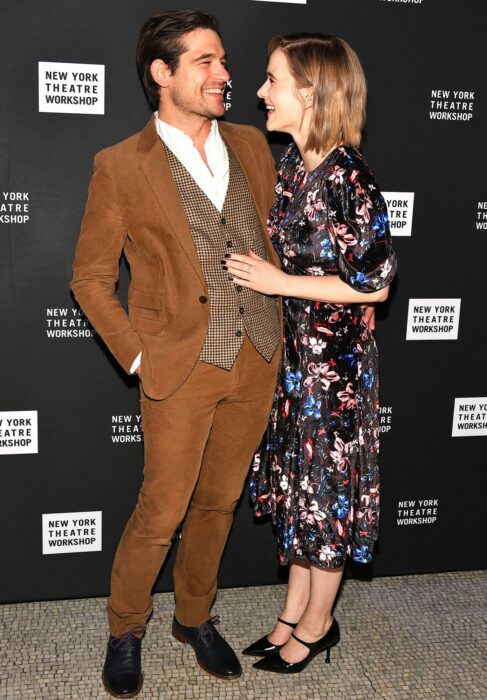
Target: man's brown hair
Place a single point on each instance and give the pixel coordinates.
(162, 37)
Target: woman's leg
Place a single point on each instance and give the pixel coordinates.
(297, 597)
(316, 618)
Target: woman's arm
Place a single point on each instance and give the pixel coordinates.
(260, 275)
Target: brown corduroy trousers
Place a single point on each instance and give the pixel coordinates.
(198, 446)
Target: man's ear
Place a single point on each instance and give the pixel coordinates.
(160, 72)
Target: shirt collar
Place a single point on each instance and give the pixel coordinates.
(177, 140)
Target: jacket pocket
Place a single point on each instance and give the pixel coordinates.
(146, 312)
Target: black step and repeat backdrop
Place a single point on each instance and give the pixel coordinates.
(70, 436)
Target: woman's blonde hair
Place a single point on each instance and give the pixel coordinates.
(331, 67)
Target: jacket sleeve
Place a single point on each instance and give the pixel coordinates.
(96, 266)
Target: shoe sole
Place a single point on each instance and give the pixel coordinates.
(180, 637)
(125, 695)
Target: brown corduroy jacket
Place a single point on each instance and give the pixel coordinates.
(134, 207)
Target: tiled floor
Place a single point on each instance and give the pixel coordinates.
(411, 638)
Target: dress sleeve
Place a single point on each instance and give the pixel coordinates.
(358, 227)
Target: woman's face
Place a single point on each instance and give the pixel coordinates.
(284, 101)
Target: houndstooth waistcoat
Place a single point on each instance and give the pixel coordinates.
(233, 310)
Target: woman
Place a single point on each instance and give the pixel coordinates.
(317, 472)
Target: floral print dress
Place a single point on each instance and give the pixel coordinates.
(317, 471)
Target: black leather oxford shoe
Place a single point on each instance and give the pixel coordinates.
(122, 675)
(263, 647)
(213, 653)
(277, 664)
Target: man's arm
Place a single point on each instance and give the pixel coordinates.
(96, 266)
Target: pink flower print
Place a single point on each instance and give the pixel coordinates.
(340, 455)
(372, 495)
(386, 268)
(353, 176)
(344, 236)
(347, 397)
(315, 270)
(315, 512)
(321, 372)
(314, 203)
(364, 203)
(308, 448)
(326, 553)
(337, 174)
(317, 345)
(337, 315)
(323, 329)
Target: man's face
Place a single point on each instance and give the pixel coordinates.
(197, 86)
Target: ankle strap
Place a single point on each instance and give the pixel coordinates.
(289, 624)
(308, 645)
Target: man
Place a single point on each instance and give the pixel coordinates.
(175, 198)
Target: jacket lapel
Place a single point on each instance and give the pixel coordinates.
(155, 168)
(246, 158)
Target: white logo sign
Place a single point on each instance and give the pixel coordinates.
(127, 428)
(481, 222)
(228, 96)
(385, 419)
(18, 432)
(14, 208)
(406, 2)
(67, 323)
(400, 207)
(418, 512)
(470, 417)
(294, 2)
(65, 533)
(77, 88)
(452, 105)
(433, 319)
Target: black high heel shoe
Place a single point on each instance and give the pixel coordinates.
(263, 647)
(277, 664)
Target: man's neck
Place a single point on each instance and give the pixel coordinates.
(194, 126)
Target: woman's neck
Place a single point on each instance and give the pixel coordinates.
(312, 159)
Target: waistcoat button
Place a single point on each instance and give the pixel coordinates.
(223, 220)
(238, 334)
(229, 244)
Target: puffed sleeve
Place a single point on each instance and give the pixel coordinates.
(358, 227)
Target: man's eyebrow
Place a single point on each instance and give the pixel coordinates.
(202, 56)
(271, 75)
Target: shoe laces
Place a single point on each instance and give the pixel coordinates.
(205, 631)
(127, 640)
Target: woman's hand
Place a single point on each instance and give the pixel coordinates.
(255, 273)
(369, 315)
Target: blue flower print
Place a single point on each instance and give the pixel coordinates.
(362, 554)
(380, 224)
(368, 379)
(293, 381)
(342, 506)
(312, 407)
(326, 249)
(289, 537)
(358, 278)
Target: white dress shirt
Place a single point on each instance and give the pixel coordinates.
(212, 180)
